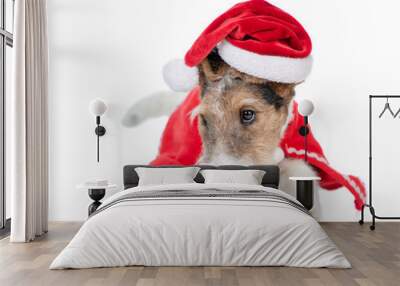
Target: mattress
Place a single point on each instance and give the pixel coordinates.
(201, 225)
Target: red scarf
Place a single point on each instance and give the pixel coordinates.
(181, 145)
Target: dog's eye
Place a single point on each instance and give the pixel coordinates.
(247, 116)
(216, 79)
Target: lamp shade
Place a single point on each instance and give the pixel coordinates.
(97, 107)
(306, 107)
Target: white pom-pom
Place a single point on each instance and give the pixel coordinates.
(179, 76)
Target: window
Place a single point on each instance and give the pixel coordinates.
(6, 44)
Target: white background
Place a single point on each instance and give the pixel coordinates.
(115, 50)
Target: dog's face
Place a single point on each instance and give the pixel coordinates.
(241, 117)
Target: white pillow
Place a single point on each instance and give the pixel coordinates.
(247, 177)
(163, 176)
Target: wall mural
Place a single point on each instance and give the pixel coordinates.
(241, 74)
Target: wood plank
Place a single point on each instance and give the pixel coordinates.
(375, 257)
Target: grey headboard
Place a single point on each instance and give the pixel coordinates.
(271, 177)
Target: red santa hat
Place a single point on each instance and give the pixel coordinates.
(255, 38)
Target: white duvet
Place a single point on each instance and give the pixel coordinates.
(200, 231)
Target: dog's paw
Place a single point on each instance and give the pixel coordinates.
(153, 106)
(131, 120)
(278, 155)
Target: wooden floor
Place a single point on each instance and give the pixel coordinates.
(375, 257)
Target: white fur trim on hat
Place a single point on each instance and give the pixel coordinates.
(179, 77)
(274, 68)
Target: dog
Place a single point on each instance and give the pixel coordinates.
(242, 119)
(241, 74)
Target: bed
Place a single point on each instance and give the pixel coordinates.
(201, 224)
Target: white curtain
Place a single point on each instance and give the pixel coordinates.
(28, 157)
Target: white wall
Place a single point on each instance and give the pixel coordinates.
(115, 50)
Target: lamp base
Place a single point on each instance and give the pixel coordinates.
(305, 193)
(100, 130)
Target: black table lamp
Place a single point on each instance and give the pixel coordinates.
(306, 108)
(97, 107)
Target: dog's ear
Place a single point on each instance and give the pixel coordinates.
(284, 90)
(212, 68)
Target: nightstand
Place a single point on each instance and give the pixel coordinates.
(96, 193)
(305, 190)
